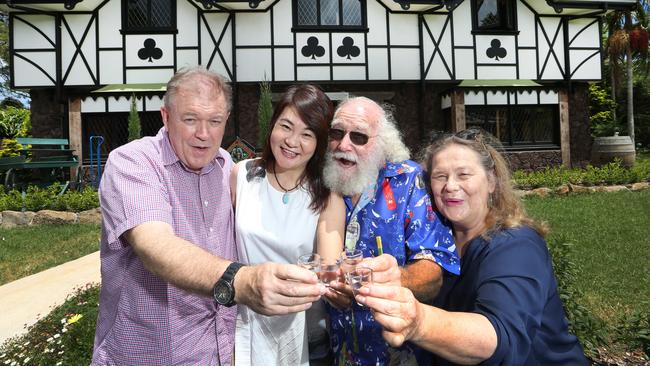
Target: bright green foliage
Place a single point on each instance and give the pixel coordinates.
(64, 337)
(37, 199)
(134, 121)
(9, 147)
(15, 122)
(611, 173)
(264, 113)
(601, 112)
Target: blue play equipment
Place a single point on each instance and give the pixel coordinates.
(95, 159)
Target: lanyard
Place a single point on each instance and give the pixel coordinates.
(353, 229)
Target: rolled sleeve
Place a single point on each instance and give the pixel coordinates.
(131, 193)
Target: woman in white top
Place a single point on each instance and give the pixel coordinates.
(281, 203)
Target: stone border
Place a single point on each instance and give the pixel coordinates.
(11, 219)
(566, 189)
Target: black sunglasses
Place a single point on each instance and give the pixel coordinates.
(357, 138)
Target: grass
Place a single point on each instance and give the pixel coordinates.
(610, 235)
(28, 250)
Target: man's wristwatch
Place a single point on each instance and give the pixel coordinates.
(224, 290)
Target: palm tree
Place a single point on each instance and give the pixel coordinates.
(628, 42)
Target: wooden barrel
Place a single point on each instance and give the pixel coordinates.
(606, 149)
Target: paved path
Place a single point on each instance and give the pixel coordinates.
(24, 301)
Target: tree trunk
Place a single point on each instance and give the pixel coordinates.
(630, 95)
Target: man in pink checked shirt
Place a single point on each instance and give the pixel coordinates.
(169, 278)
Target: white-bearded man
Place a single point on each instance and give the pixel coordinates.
(385, 198)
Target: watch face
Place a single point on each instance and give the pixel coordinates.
(222, 293)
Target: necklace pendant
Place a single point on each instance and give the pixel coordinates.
(285, 198)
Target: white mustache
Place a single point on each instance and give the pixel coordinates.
(345, 155)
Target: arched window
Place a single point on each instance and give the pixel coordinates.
(329, 14)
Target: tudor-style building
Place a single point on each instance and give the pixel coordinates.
(518, 68)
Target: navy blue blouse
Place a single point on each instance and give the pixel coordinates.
(509, 279)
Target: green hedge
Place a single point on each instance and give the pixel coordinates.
(612, 173)
(36, 199)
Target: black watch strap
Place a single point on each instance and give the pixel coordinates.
(224, 289)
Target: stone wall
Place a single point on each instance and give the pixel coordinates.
(11, 219)
(533, 160)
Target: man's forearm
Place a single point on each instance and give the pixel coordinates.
(424, 278)
(175, 260)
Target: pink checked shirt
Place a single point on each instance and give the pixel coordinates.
(143, 320)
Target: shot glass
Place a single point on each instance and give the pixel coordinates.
(329, 270)
(359, 277)
(310, 261)
(350, 258)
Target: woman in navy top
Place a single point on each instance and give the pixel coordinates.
(504, 308)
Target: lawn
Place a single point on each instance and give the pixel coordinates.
(611, 237)
(28, 250)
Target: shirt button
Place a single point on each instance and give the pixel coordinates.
(211, 229)
(205, 203)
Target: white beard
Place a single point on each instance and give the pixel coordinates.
(351, 183)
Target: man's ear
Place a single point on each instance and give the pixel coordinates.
(164, 113)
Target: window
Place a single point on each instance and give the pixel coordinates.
(518, 126)
(149, 16)
(494, 15)
(324, 14)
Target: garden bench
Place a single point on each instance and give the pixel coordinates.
(39, 153)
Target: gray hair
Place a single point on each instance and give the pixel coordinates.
(389, 139)
(187, 74)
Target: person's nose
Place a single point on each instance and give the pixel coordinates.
(202, 130)
(451, 185)
(292, 140)
(346, 144)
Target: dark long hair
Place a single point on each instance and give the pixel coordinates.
(316, 110)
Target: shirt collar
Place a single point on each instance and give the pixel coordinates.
(394, 169)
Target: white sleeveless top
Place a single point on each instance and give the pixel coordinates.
(267, 230)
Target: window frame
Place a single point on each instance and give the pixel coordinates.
(332, 28)
(508, 143)
(511, 12)
(126, 29)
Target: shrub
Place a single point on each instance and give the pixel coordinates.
(134, 121)
(590, 330)
(611, 173)
(14, 122)
(9, 147)
(601, 112)
(36, 199)
(635, 331)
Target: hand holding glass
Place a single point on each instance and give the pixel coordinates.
(329, 270)
(359, 277)
(310, 261)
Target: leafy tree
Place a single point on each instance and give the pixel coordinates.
(134, 121)
(625, 30)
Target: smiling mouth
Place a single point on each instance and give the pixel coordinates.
(288, 153)
(345, 162)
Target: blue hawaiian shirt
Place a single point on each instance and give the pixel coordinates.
(399, 211)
